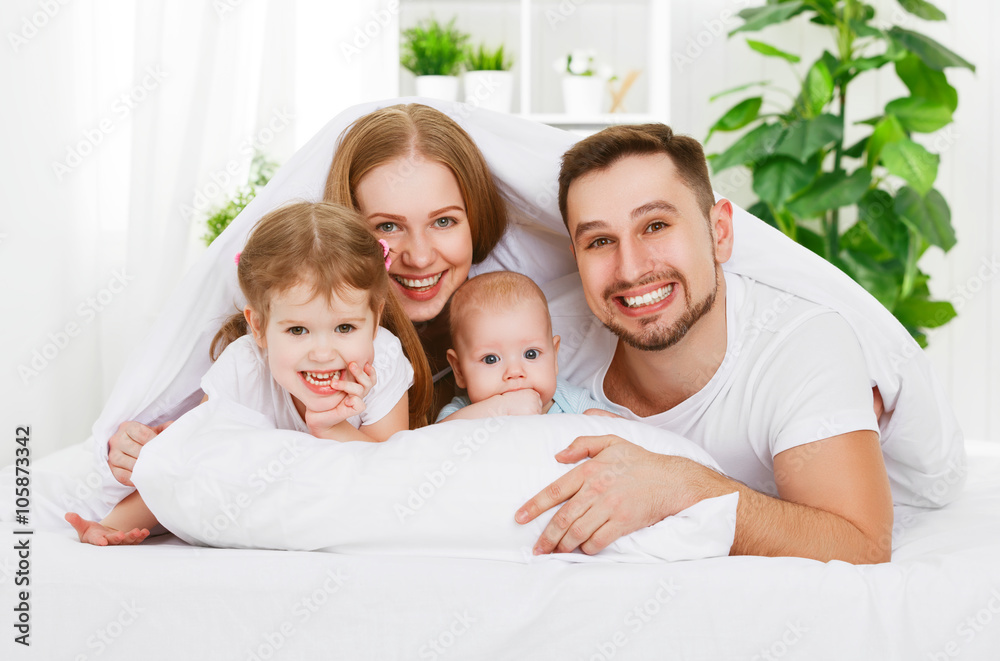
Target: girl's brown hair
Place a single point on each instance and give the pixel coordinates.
(406, 131)
(331, 247)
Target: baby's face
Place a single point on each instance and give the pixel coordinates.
(503, 352)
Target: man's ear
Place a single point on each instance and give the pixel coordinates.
(453, 361)
(253, 322)
(721, 218)
(555, 347)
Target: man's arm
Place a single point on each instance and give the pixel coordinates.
(835, 499)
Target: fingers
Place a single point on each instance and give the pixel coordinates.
(560, 490)
(586, 446)
(575, 529)
(601, 413)
(159, 428)
(123, 476)
(75, 520)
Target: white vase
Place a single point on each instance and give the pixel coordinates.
(583, 95)
(493, 90)
(438, 87)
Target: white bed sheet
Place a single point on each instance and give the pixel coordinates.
(938, 599)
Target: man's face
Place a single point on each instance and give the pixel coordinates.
(647, 255)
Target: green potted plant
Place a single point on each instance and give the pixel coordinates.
(806, 174)
(434, 53)
(488, 81)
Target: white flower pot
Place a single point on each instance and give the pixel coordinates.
(493, 90)
(583, 95)
(438, 87)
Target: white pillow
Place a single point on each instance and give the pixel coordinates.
(219, 476)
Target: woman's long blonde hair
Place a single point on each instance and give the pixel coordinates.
(414, 129)
(331, 247)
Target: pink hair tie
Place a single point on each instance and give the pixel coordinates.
(237, 258)
(385, 253)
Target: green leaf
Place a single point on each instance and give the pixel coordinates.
(923, 9)
(926, 83)
(886, 131)
(811, 240)
(919, 115)
(830, 191)
(857, 149)
(738, 116)
(755, 146)
(921, 313)
(931, 52)
(876, 211)
(738, 88)
(817, 91)
(805, 137)
(881, 280)
(758, 18)
(770, 51)
(928, 215)
(778, 178)
(917, 166)
(762, 211)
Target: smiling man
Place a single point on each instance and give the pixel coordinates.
(775, 387)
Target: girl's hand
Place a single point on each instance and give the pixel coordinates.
(320, 423)
(91, 532)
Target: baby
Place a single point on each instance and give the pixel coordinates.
(504, 354)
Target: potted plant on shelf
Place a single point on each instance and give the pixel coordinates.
(584, 82)
(488, 81)
(434, 53)
(805, 170)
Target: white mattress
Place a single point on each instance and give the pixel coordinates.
(938, 599)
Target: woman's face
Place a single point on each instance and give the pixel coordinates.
(416, 206)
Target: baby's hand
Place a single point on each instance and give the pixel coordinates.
(602, 413)
(91, 532)
(351, 404)
(518, 402)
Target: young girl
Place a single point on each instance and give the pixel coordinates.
(308, 350)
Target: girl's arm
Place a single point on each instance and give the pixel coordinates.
(395, 420)
(130, 515)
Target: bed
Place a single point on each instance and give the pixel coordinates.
(939, 598)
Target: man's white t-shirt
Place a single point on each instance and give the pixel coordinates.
(241, 375)
(793, 373)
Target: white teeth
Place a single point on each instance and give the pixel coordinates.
(650, 298)
(419, 284)
(322, 379)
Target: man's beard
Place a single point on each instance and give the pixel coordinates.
(651, 338)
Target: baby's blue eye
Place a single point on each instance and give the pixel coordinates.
(531, 354)
(491, 359)
(298, 330)
(345, 328)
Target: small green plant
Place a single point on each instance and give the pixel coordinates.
(484, 59)
(432, 49)
(805, 175)
(261, 171)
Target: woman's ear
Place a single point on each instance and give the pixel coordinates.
(453, 361)
(253, 322)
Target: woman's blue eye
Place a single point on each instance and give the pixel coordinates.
(386, 227)
(445, 222)
(531, 354)
(345, 328)
(298, 330)
(491, 359)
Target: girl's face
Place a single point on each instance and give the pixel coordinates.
(310, 342)
(417, 207)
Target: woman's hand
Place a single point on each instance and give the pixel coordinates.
(352, 402)
(91, 532)
(126, 444)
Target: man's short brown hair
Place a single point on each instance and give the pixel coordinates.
(604, 149)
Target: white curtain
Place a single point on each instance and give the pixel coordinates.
(122, 124)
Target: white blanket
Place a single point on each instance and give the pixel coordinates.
(223, 476)
(921, 440)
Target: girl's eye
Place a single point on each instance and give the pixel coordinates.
(386, 227)
(298, 330)
(531, 354)
(656, 226)
(345, 328)
(491, 359)
(444, 222)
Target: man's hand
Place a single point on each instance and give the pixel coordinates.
(126, 444)
(350, 404)
(621, 489)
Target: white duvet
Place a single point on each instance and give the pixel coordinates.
(223, 476)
